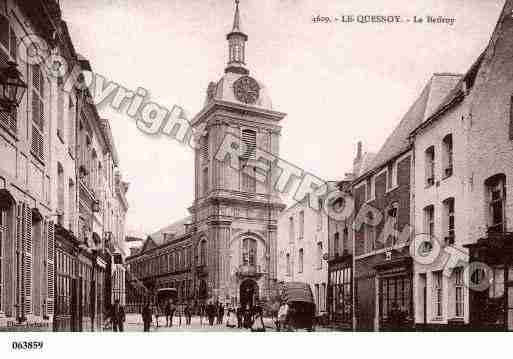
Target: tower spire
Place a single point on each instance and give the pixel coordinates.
(236, 18)
(237, 46)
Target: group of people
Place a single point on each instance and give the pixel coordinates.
(169, 311)
(247, 317)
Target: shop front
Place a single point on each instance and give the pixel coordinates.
(395, 290)
(340, 292)
(491, 298)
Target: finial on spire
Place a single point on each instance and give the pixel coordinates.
(236, 18)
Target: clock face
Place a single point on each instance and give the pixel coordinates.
(246, 90)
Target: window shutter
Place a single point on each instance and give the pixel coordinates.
(50, 267)
(27, 247)
(13, 41)
(511, 118)
(249, 139)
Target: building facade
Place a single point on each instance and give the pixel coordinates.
(466, 147)
(302, 245)
(165, 260)
(60, 279)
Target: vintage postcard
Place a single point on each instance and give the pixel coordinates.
(244, 166)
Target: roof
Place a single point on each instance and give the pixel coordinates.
(177, 228)
(133, 239)
(428, 101)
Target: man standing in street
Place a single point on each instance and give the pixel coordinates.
(211, 313)
(220, 314)
(147, 316)
(187, 313)
(117, 316)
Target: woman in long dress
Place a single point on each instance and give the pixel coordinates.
(231, 322)
(258, 322)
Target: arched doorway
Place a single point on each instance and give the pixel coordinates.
(248, 293)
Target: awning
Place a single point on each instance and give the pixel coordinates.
(6, 200)
(297, 292)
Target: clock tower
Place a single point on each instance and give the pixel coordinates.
(235, 209)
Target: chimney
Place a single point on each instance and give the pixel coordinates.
(357, 162)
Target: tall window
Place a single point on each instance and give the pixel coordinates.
(38, 111)
(449, 221)
(205, 181)
(71, 126)
(437, 293)
(336, 244)
(345, 240)
(203, 252)
(301, 224)
(447, 156)
(289, 271)
(458, 292)
(391, 224)
(8, 52)
(248, 178)
(429, 221)
(249, 250)
(60, 193)
(429, 156)
(291, 230)
(318, 296)
(319, 214)
(60, 113)
(370, 237)
(300, 260)
(496, 196)
(319, 255)
(3, 231)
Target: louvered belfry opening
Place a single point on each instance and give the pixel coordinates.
(249, 140)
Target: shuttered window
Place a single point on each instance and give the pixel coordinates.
(27, 260)
(511, 118)
(3, 231)
(8, 52)
(71, 126)
(38, 112)
(60, 113)
(249, 139)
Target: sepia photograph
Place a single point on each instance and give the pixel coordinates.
(298, 168)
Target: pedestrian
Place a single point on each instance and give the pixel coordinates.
(258, 320)
(117, 316)
(157, 313)
(201, 313)
(167, 312)
(211, 313)
(220, 314)
(146, 316)
(232, 320)
(187, 312)
(239, 317)
(282, 316)
(247, 317)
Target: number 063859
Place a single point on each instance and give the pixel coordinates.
(23, 345)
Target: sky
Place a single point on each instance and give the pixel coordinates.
(338, 83)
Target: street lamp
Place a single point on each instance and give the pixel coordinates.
(12, 87)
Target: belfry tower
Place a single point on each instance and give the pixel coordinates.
(234, 212)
